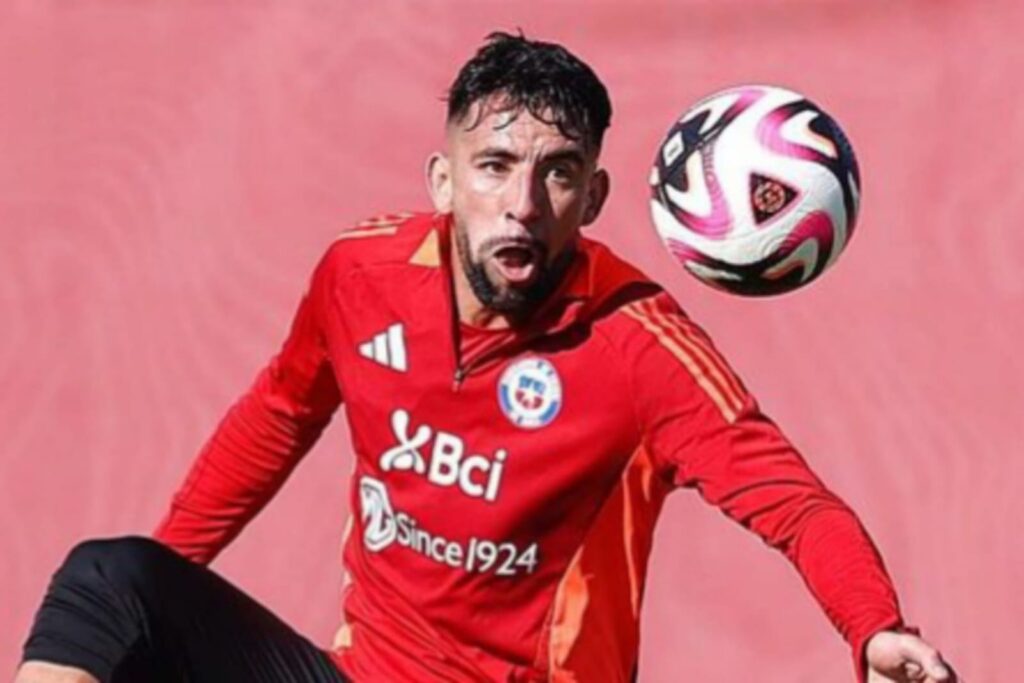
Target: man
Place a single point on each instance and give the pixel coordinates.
(520, 401)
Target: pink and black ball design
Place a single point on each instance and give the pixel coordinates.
(755, 190)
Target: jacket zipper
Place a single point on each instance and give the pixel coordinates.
(508, 349)
(460, 374)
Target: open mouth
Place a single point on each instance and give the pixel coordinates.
(517, 263)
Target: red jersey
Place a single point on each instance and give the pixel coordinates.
(506, 486)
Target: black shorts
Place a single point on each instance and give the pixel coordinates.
(131, 609)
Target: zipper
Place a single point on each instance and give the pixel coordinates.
(450, 307)
(508, 349)
(463, 368)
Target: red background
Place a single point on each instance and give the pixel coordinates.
(169, 173)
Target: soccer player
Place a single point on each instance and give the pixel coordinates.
(521, 401)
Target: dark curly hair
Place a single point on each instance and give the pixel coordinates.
(545, 79)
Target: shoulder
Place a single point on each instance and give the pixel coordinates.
(388, 239)
(626, 303)
(661, 345)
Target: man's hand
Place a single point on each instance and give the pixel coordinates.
(904, 658)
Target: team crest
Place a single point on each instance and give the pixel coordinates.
(530, 393)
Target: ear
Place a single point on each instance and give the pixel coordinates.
(597, 193)
(439, 182)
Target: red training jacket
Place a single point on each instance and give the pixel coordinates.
(506, 485)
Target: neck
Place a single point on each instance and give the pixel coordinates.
(470, 309)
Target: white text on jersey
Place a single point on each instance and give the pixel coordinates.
(475, 475)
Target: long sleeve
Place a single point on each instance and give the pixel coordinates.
(707, 432)
(261, 439)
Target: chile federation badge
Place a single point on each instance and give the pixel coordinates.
(530, 393)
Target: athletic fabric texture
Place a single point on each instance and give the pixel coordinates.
(505, 490)
(130, 610)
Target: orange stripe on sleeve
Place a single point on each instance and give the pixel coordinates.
(713, 390)
(367, 232)
(688, 337)
(386, 220)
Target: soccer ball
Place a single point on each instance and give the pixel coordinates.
(755, 190)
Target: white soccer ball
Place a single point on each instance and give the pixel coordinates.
(755, 190)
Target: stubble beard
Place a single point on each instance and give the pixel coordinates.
(514, 302)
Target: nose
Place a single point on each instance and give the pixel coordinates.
(527, 197)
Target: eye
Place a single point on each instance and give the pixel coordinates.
(494, 166)
(562, 173)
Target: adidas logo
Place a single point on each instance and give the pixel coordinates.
(387, 348)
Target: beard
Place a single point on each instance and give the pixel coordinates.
(515, 302)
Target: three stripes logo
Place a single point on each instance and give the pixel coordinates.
(387, 348)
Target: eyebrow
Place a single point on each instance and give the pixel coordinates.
(496, 153)
(572, 155)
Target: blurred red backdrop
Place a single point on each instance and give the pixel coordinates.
(169, 173)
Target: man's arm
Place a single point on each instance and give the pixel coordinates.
(707, 432)
(261, 439)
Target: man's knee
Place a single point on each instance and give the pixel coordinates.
(97, 607)
(123, 561)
